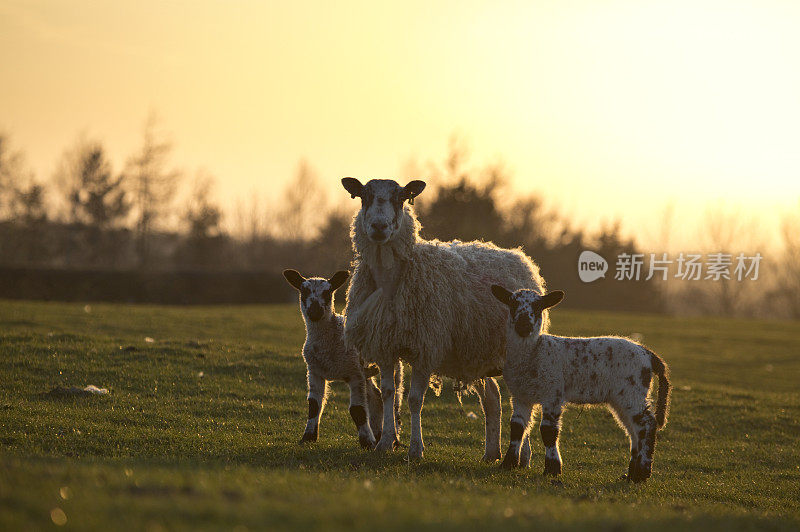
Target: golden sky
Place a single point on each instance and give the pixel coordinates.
(609, 108)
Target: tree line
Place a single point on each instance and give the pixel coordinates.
(92, 217)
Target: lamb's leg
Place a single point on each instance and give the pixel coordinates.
(317, 394)
(489, 396)
(624, 418)
(549, 428)
(644, 424)
(388, 439)
(416, 397)
(358, 410)
(520, 426)
(525, 453)
(375, 403)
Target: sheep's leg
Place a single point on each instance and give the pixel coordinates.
(398, 397)
(317, 395)
(624, 418)
(416, 397)
(358, 411)
(389, 438)
(549, 428)
(489, 396)
(525, 452)
(375, 403)
(644, 425)
(520, 426)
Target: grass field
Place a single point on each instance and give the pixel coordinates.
(201, 426)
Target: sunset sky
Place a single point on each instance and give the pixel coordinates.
(610, 109)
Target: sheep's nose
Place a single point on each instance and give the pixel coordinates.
(524, 328)
(379, 226)
(314, 311)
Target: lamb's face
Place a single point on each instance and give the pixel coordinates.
(382, 205)
(316, 293)
(526, 307)
(316, 298)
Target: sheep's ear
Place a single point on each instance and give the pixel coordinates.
(413, 189)
(353, 186)
(501, 294)
(551, 299)
(294, 278)
(338, 279)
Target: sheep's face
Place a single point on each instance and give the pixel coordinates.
(382, 205)
(316, 293)
(526, 307)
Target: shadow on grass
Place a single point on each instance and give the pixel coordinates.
(318, 459)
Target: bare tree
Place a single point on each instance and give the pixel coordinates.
(302, 207)
(250, 219)
(788, 285)
(728, 231)
(152, 185)
(13, 174)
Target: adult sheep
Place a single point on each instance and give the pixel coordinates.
(427, 303)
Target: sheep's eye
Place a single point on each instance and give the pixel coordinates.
(397, 199)
(326, 295)
(304, 292)
(366, 199)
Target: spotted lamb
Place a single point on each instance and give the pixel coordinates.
(552, 370)
(424, 301)
(327, 359)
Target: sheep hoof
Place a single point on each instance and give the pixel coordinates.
(552, 467)
(491, 456)
(415, 452)
(385, 445)
(641, 473)
(366, 442)
(510, 462)
(308, 437)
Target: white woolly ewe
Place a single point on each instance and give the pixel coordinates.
(428, 303)
(327, 359)
(542, 369)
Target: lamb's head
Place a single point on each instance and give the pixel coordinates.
(526, 307)
(382, 205)
(316, 293)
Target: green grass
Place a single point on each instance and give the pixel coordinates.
(201, 426)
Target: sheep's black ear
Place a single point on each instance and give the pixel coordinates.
(294, 278)
(551, 299)
(501, 294)
(338, 279)
(413, 189)
(353, 186)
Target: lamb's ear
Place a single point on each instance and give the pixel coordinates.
(353, 186)
(501, 294)
(338, 279)
(413, 189)
(294, 278)
(551, 299)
